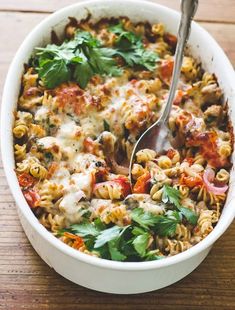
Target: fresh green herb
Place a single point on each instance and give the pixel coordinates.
(85, 229)
(141, 243)
(190, 215)
(78, 59)
(130, 47)
(125, 39)
(54, 72)
(82, 57)
(106, 125)
(164, 225)
(153, 255)
(172, 195)
(144, 219)
(128, 243)
(99, 224)
(114, 251)
(109, 234)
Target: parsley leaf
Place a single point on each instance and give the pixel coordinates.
(108, 235)
(85, 229)
(85, 38)
(130, 47)
(125, 39)
(190, 215)
(82, 57)
(83, 73)
(114, 251)
(172, 195)
(103, 64)
(141, 243)
(144, 219)
(54, 72)
(164, 225)
(128, 243)
(152, 255)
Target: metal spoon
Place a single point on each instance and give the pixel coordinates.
(157, 136)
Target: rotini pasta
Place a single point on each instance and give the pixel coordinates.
(20, 152)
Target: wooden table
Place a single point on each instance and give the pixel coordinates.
(26, 282)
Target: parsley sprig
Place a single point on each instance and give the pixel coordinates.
(84, 56)
(129, 46)
(131, 242)
(128, 243)
(172, 195)
(78, 59)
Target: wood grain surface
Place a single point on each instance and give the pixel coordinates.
(26, 282)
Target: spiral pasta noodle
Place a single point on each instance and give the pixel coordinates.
(20, 152)
(145, 155)
(52, 222)
(108, 190)
(49, 193)
(114, 214)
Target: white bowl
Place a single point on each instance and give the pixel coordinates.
(95, 273)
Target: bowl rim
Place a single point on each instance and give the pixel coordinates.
(7, 151)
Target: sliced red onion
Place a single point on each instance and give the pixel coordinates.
(208, 178)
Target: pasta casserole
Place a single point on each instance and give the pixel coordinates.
(83, 104)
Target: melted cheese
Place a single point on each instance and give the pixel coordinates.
(71, 207)
(84, 182)
(41, 114)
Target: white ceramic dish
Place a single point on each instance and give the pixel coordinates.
(92, 272)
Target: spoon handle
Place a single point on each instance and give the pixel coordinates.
(188, 10)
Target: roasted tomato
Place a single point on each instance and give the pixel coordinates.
(189, 160)
(77, 240)
(52, 168)
(32, 197)
(26, 180)
(171, 153)
(166, 69)
(88, 145)
(183, 120)
(119, 188)
(125, 184)
(191, 181)
(142, 184)
(178, 97)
